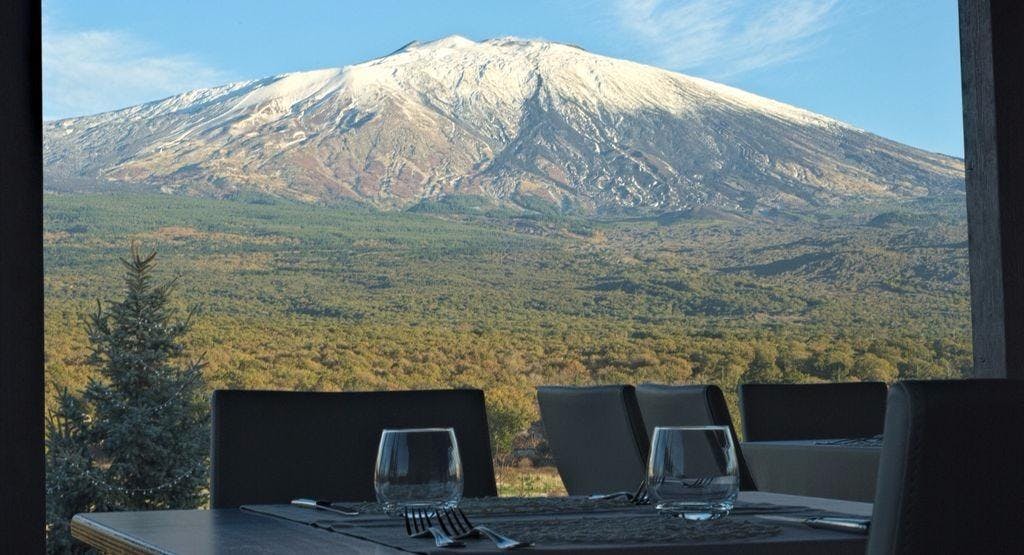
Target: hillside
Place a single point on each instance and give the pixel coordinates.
(296, 296)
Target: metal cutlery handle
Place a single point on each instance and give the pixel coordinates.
(443, 540)
(839, 524)
(502, 542)
(605, 496)
(321, 505)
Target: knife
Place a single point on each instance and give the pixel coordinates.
(323, 506)
(838, 524)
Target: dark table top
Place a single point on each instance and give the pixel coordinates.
(238, 531)
(216, 531)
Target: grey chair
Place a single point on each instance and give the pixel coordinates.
(690, 405)
(779, 412)
(950, 479)
(275, 446)
(596, 436)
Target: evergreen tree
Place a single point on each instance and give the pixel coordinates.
(71, 484)
(138, 437)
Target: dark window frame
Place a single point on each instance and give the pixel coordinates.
(993, 80)
(992, 73)
(22, 485)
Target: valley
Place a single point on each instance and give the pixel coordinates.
(471, 293)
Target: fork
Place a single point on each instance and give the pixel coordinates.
(638, 497)
(642, 495)
(418, 525)
(459, 526)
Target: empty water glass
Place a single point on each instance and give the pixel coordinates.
(693, 471)
(418, 468)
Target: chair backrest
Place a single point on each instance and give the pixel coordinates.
(778, 412)
(596, 436)
(275, 446)
(690, 405)
(949, 478)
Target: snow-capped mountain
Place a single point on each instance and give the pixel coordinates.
(506, 118)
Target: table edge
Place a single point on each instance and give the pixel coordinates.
(108, 540)
(783, 443)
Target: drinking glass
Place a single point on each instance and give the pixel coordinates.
(693, 471)
(418, 468)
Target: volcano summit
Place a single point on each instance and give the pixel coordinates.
(508, 119)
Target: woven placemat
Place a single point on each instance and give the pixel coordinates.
(873, 441)
(521, 505)
(596, 530)
(569, 521)
(512, 506)
(633, 529)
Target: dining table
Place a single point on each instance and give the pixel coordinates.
(563, 525)
(840, 468)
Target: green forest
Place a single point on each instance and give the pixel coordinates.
(466, 292)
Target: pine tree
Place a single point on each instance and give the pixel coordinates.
(71, 484)
(149, 416)
(138, 437)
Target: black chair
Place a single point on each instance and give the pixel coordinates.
(950, 479)
(275, 446)
(596, 435)
(690, 405)
(779, 412)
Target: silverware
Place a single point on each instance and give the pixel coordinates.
(835, 523)
(419, 525)
(459, 525)
(642, 495)
(607, 496)
(323, 506)
(500, 541)
(639, 497)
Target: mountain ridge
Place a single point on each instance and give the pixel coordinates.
(503, 118)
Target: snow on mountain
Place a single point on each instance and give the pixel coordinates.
(506, 118)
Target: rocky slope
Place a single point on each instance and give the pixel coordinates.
(510, 119)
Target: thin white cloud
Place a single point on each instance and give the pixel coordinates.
(91, 71)
(724, 37)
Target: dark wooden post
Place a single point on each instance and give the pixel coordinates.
(21, 280)
(991, 42)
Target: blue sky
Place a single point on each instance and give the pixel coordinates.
(889, 66)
